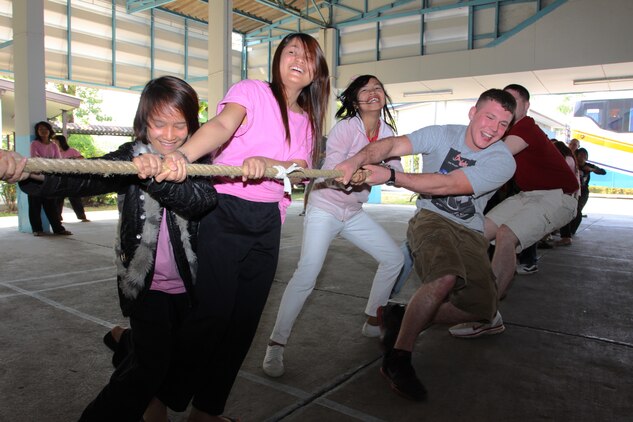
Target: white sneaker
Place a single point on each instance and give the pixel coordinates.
(523, 269)
(371, 330)
(476, 329)
(273, 365)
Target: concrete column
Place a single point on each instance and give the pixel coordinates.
(30, 93)
(328, 42)
(219, 63)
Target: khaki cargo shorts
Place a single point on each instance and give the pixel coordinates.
(441, 247)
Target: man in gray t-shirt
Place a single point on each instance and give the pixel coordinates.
(463, 166)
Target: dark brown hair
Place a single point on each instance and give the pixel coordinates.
(349, 100)
(51, 132)
(164, 93)
(313, 99)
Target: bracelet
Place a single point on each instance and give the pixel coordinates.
(182, 154)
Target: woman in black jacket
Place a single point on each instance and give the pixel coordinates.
(155, 247)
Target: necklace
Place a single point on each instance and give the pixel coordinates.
(373, 134)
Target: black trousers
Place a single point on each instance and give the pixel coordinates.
(50, 209)
(76, 203)
(238, 250)
(154, 349)
(582, 201)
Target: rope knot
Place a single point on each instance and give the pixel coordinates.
(282, 173)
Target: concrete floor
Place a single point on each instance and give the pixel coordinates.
(566, 355)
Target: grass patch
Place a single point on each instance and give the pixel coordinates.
(603, 190)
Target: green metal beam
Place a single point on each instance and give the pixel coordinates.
(134, 6)
(529, 21)
(290, 11)
(251, 17)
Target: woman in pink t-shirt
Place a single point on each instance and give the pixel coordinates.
(258, 125)
(68, 152)
(43, 146)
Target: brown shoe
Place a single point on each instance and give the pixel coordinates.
(64, 233)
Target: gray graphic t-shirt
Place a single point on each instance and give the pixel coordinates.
(443, 150)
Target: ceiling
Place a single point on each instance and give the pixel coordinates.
(249, 15)
(264, 18)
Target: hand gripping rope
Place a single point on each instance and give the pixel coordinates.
(108, 168)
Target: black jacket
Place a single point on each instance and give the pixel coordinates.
(141, 204)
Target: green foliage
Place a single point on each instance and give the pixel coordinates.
(85, 145)
(566, 107)
(106, 199)
(203, 113)
(610, 191)
(8, 192)
(90, 107)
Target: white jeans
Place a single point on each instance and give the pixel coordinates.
(319, 229)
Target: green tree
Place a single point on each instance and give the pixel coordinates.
(90, 104)
(85, 145)
(203, 112)
(567, 106)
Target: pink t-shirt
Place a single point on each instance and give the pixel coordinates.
(166, 276)
(41, 150)
(263, 135)
(70, 153)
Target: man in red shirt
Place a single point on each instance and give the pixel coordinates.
(544, 204)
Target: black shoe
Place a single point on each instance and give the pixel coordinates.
(542, 244)
(397, 369)
(391, 320)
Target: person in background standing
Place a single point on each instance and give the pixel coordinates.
(69, 152)
(44, 147)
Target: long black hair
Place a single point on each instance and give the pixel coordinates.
(313, 98)
(51, 132)
(62, 142)
(349, 101)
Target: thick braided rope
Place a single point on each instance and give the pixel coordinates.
(107, 167)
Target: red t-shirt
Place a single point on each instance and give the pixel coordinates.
(540, 166)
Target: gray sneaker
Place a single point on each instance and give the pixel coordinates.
(477, 329)
(273, 365)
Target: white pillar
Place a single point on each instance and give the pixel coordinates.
(219, 64)
(30, 89)
(328, 44)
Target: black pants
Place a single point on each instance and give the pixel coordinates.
(76, 203)
(582, 201)
(50, 209)
(156, 338)
(238, 250)
(528, 255)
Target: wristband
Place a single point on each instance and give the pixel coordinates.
(182, 154)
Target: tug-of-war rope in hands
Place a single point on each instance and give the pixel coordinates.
(107, 167)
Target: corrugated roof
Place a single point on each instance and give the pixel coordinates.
(99, 130)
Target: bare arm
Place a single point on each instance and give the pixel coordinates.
(515, 144)
(453, 183)
(215, 132)
(375, 152)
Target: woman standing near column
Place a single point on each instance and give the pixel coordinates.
(44, 147)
